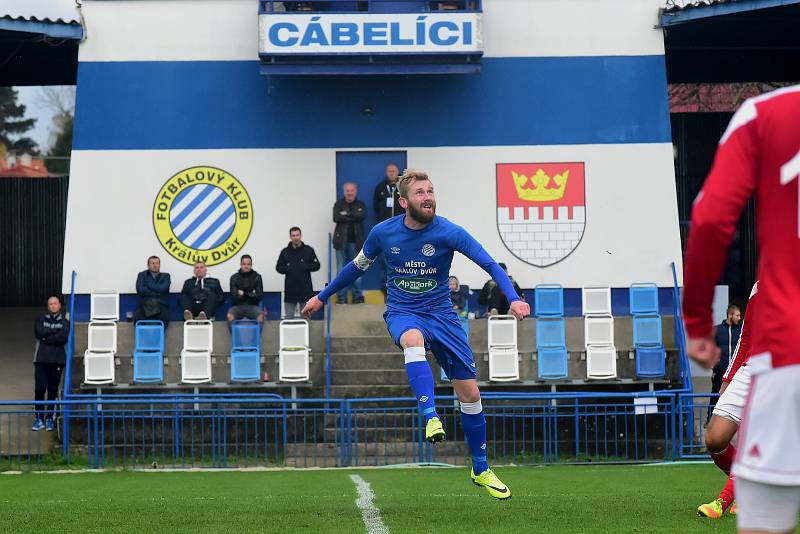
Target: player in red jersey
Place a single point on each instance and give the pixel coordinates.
(759, 155)
(727, 415)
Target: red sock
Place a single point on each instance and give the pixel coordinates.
(727, 493)
(724, 459)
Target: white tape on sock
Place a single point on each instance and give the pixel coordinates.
(414, 354)
(472, 408)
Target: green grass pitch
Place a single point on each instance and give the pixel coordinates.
(546, 499)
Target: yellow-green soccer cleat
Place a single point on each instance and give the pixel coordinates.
(434, 432)
(493, 485)
(732, 510)
(712, 510)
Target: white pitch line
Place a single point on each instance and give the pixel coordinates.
(369, 512)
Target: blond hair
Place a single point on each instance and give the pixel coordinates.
(409, 177)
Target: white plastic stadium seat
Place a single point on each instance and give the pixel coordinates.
(98, 360)
(196, 353)
(598, 330)
(503, 353)
(601, 362)
(104, 306)
(597, 300)
(293, 351)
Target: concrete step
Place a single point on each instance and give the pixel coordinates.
(367, 360)
(358, 344)
(376, 391)
(384, 377)
(358, 328)
(407, 449)
(356, 312)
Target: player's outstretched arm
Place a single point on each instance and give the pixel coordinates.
(469, 246)
(349, 274)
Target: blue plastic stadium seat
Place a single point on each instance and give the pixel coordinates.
(398, 6)
(553, 364)
(644, 299)
(549, 300)
(245, 351)
(550, 333)
(647, 330)
(650, 361)
(148, 352)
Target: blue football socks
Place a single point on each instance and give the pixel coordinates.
(474, 423)
(420, 378)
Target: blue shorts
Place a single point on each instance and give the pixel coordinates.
(444, 336)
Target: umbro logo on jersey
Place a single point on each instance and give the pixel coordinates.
(428, 250)
(395, 250)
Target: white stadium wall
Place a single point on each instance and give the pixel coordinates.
(169, 85)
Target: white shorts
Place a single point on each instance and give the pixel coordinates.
(766, 507)
(769, 435)
(731, 402)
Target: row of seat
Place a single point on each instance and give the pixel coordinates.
(601, 354)
(195, 359)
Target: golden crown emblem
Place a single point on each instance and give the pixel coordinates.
(540, 192)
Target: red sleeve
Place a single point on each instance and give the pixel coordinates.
(742, 352)
(716, 211)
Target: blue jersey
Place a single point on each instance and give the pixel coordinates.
(419, 264)
(419, 261)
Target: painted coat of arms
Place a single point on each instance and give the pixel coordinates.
(541, 210)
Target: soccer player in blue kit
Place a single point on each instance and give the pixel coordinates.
(419, 247)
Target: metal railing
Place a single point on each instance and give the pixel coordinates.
(241, 430)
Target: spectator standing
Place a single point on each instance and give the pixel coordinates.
(201, 294)
(458, 297)
(385, 202)
(385, 198)
(52, 332)
(726, 336)
(297, 261)
(247, 290)
(497, 303)
(152, 286)
(348, 236)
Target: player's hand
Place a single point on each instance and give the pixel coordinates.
(313, 305)
(704, 351)
(520, 309)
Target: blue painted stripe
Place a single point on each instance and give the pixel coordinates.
(201, 219)
(213, 227)
(225, 235)
(181, 195)
(187, 210)
(228, 104)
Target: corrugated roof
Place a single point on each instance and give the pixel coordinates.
(55, 11)
(680, 5)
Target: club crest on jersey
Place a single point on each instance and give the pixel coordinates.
(395, 250)
(541, 210)
(428, 250)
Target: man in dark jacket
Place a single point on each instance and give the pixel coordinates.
(497, 303)
(726, 336)
(297, 261)
(52, 332)
(348, 236)
(201, 295)
(247, 290)
(385, 202)
(385, 199)
(152, 286)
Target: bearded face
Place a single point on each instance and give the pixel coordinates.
(421, 202)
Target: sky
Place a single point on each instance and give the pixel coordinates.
(31, 97)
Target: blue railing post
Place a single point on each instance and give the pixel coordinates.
(68, 370)
(328, 323)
